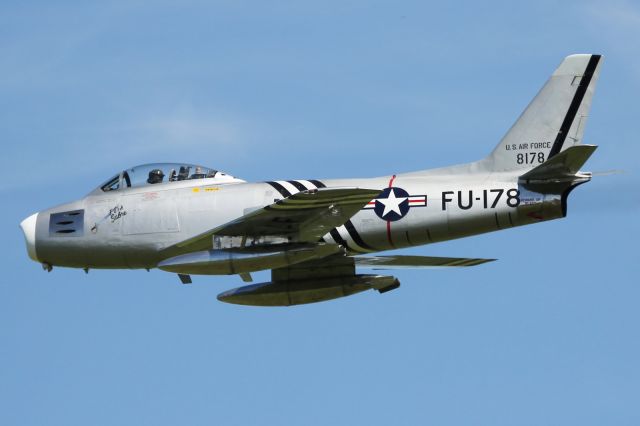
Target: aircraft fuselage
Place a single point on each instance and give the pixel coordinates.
(130, 228)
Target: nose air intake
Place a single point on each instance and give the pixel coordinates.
(29, 230)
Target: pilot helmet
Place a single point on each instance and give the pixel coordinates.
(155, 176)
(183, 173)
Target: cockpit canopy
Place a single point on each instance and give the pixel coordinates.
(157, 173)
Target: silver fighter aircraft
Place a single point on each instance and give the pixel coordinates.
(314, 233)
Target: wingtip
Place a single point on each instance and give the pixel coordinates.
(475, 262)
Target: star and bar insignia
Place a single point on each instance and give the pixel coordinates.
(394, 203)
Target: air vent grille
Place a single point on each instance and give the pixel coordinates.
(67, 224)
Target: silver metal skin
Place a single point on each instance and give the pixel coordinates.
(190, 219)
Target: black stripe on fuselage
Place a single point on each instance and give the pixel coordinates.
(351, 229)
(575, 105)
(298, 185)
(281, 189)
(338, 238)
(356, 237)
(353, 233)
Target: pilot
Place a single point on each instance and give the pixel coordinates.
(183, 173)
(198, 173)
(155, 176)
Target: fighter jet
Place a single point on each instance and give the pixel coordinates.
(314, 234)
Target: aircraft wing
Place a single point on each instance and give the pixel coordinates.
(331, 277)
(308, 282)
(302, 217)
(405, 262)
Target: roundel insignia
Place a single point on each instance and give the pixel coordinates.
(392, 204)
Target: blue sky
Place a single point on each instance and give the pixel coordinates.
(284, 89)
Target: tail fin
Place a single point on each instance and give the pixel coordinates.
(553, 121)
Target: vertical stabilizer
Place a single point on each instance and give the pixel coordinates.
(553, 121)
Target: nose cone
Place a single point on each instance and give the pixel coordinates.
(29, 229)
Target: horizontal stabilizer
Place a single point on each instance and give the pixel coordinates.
(398, 262)
(565, 166)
